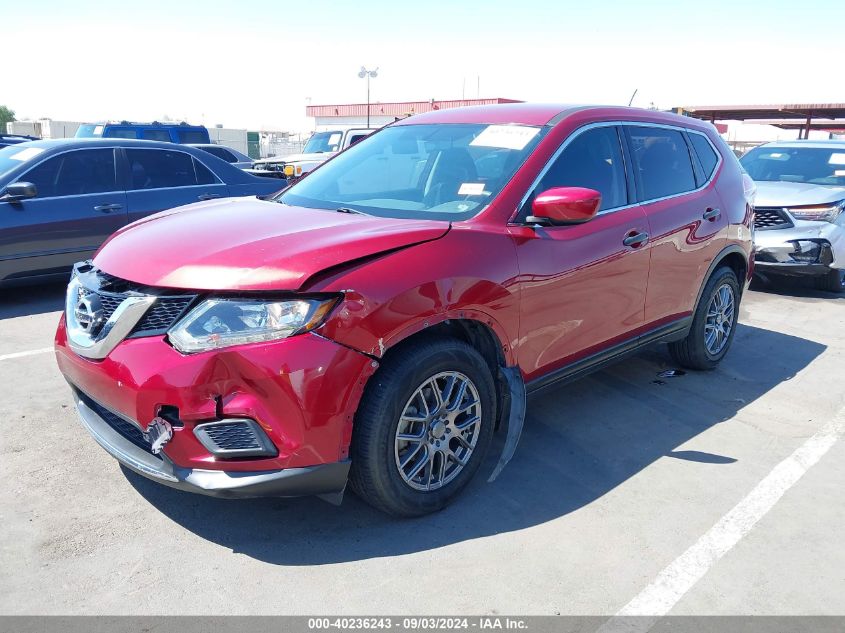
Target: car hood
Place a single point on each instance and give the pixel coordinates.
(251, 244)
(794, 194)
(297, 158)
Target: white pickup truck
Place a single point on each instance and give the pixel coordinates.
(319, 148)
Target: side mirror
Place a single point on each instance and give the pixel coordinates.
(19, 191)
(564, 205)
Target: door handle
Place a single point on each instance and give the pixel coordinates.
(208, 196)
(635, 239)
(107, 208)
(711, 214)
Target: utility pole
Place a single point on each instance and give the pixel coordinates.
(364, 73)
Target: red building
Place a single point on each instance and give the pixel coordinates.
(355, 114)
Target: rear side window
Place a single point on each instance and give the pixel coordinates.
(221, 152)
(157, 169)
(156, 135)
(354, 138)
(74, 173)
(705, 152)
(661, 162)
(593, 159)
(193, 136)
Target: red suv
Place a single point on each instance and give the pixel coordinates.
(376, 322)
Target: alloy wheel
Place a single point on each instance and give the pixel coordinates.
(438, 431)
(721, 314)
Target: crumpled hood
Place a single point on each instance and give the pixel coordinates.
(251, 244)
(795, 194)
(297, 158)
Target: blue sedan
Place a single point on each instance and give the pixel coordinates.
(61, 199)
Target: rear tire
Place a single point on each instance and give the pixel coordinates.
(833, 281)
(412, 450)
(713, 324)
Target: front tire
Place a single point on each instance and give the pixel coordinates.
(713, 324)
(423, 427)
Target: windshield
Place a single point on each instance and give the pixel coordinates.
(435, 171)
(322, 142)
(812, 165)
(16, 155)
(89, 130)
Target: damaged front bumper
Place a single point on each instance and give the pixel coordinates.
(324, 479)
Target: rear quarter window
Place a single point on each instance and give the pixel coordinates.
(705, 152)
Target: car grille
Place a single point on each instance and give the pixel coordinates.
(109, 303)
(766, 218)
(122, 426)
(162, 315)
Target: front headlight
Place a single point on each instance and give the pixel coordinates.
(820, 213)
(217, 323)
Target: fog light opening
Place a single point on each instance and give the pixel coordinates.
(806, 251)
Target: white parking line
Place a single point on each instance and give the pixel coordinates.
(31, 352)
(684, 572)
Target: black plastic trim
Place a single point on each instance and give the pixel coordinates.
(669, 332)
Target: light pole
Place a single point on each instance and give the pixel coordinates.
(368, 73)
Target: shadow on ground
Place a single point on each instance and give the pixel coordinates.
(795, 287)
(579, 442)
(28, 300)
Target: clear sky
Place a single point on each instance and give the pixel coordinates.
(256, 64)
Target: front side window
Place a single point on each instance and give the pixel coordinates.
(593, 159)
(120, 132)
(661, 162)
(433, 171)
(813, 165)
(157, 169)
(74, 173)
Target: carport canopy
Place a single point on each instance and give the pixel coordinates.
(801, 116)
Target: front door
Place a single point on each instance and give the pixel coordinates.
(583, 286)
(79, 203)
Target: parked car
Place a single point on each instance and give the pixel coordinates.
(155, 131)
(319, 148)
(60, 199)
(799, 224)
(14, 139)
(378, 320)
(231, 156)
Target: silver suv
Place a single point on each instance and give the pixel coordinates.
(799, 222)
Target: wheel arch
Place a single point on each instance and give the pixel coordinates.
(736, 259)
(481, 334)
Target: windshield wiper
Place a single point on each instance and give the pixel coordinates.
(350, 210)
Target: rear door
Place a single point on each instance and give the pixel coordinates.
(160, 179)
(80, 202)
(583, 286)
(684, 211)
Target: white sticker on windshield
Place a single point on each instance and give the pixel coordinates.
(471, 189)
(26, 154)
(505, 136)
(98, 131)
(839, 173)
(837, 158)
